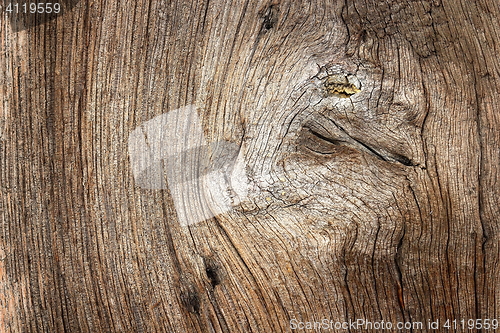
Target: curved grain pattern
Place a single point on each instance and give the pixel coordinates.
(365, 185)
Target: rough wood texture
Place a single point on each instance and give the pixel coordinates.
(369, 132)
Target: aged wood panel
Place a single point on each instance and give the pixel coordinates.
(230, 166)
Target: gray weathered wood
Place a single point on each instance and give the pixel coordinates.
(364, 184)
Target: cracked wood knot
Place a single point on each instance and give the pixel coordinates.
(341, 85)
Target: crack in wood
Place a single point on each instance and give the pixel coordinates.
(358, 144)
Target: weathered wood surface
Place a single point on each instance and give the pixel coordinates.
(379, 204)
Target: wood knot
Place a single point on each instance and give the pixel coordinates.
(341, 85)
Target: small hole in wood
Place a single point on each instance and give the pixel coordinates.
(191, 301)
(213, 276)
(270, 17)
(212, 269)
